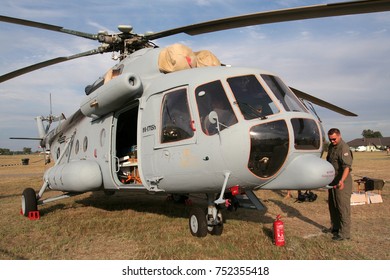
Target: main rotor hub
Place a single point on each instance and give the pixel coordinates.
(125, 29)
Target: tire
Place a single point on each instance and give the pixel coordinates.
(198, 222)
(29, 201)
(217, 229)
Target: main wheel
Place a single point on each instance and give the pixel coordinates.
(218, 228)
(29, 201)
(198, 222)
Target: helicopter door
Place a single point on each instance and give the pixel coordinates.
(125, 160)
(168, 138)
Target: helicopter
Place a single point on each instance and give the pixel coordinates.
(175, 121)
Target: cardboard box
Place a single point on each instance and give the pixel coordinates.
(374, 197)
(359, 199)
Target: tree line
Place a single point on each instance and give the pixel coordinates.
(25, 151)
(368, 133)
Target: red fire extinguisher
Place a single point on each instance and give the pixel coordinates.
(278, 232)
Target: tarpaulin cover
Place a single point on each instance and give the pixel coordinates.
(180, 57)
(206, 58)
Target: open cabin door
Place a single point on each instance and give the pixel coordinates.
(125, 168)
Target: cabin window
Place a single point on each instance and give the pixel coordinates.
(85, 144)
(176, 118)
(58, 153)
(251, 97)
(102, 137)
(77, 147)
(306, 134)
(211, 98)
(289, 101)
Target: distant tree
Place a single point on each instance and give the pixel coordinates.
(368, 133)
(5, 151)
(26, 150)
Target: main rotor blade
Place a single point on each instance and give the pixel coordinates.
(284, 15)
(47, 27)
(322, 103)
(25, 138)
(43, 64)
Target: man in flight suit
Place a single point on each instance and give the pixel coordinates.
(339, 197)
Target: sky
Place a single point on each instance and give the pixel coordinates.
(343, 60)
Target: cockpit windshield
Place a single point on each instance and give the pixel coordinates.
(214, 104)
(251, 97)
(289, 101)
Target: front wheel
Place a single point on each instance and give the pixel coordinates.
(29, 201)
(198, 222)
(217, 229)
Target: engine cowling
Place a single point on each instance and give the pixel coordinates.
(112, 95)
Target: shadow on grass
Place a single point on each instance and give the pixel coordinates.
(52, 208)
(142, 202)
(10, 195)
(293, 212)
(160, 204)
(10, 256)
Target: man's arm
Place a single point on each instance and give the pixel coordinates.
(346, 171)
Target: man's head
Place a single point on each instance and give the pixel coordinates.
(334, 136)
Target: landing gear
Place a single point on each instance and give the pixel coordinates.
(201, 223)
(29, 201)
(198, 222)
(216, 226)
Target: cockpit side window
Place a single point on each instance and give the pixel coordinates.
(211, 98)
(251, 97)
(289, 101)
(176, 117)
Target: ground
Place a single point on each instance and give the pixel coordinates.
(143, 226)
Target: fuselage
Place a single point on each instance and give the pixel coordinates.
(184, 131)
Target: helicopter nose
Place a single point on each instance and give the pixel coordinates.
(304, 172)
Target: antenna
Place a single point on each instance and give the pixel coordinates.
(51, 108)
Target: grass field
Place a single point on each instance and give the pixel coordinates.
(131, 226)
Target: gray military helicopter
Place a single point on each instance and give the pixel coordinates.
(169, 120)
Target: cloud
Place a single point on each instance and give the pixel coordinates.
(343, 60)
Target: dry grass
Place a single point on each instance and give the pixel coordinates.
(142, 226)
